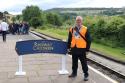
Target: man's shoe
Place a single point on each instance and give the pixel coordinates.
(72, 75)
(86, 77)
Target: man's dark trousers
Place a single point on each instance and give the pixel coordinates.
(79, 53)
(4, 36)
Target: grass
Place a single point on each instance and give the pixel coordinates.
(62, 34)
(116, 53)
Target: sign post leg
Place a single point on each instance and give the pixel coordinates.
(63, 69)
(20, 72)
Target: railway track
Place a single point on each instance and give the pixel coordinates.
(119, 76)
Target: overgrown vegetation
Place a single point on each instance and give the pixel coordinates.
(107, 30)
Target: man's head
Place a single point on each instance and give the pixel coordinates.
(79, 20)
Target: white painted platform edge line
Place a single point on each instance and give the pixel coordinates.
(105, 76)
(98, 72)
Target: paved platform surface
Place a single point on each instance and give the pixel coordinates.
(39, 68)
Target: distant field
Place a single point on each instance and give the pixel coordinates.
(116, 53)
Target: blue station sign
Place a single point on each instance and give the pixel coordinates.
(41, 46)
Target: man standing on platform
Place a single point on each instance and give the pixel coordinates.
(79, 42)
(4, 29)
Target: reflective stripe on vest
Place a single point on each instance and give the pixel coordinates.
(77, 40)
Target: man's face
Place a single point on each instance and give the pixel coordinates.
(78, 22)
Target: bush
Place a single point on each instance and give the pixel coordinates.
(122, 34)
(109, 31)
(54, 19)
(112, 30)
(36, 22)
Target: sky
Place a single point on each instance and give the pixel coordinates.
(16, 6)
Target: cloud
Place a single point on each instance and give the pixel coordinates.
(97, 3)
(18, 5)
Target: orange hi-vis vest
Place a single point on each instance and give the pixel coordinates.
(77, 40)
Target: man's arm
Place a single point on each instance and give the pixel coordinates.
(69, 40)
(7, 28)
(88, 39)
(0, 28)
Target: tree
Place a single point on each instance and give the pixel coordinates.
(19, 18)
(13, 19)
(100, 29)
(122, 34)
(1, 15)
(58, 20)
(6, 12)
(50, 18)
(53, 19)
(36, 21)
(30, 12)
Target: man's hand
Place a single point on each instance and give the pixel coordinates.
(69, 51)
